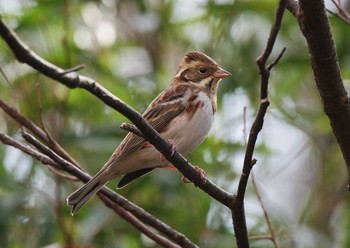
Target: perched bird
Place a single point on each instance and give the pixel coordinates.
(182, 113)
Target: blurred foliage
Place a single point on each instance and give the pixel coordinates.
(133, 49)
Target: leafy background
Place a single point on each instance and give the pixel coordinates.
(133, 49)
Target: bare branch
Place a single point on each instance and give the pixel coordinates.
(57, 163)
(74, 69)
(70, 167)
(257, 125)
(315, 26)
(52, 165)
(238, 215)
(260, 237)
(131, 128)
(275, 62)
(140, 213)
(37, 131)
(272, 235)
(7, 140)
(342, 13)
(73, 80)
(139, 225)
(114, 197)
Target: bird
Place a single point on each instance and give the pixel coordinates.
(183, 114)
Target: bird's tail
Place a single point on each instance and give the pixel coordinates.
(79, 197)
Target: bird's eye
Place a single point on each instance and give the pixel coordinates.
(202, 70)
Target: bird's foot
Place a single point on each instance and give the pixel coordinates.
(173, 150)
(201, 172)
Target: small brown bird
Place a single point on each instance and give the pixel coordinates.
(183, 113)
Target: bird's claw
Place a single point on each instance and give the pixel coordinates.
(201, 172)
(173, 150)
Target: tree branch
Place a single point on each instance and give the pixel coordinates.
(342, 13)
(238, 214)
(7, 140)
(36, 130)
(56, 163)
(74, 80)
(131, 128)
(58, 160)
(140, 226)
(272, 235)
(314, 24)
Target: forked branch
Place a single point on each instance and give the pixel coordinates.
(238, 212)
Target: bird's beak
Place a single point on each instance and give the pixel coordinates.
(221, 73)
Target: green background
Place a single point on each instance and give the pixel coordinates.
(133, 49)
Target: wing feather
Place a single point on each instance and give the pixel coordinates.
(159, 113)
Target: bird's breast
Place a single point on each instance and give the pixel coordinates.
(191, 127)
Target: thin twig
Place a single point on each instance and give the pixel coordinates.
(48, 138)
(36, 143)
(272, 235)
(73, 69)
(67, 235)
(53, 160)
(238, 213)
(13, 91)
(138, 224)
(141, 214)
(7, 140)
(260, 237)
(342, 13)
(36, 130)
(275, 62)
(52, 165)
(40, 106)
(67, 34)
(135, 210)
(131, 128)
(5, 77)
(258, 122)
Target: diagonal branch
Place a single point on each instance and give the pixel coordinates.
(342, 13)
(37, 131)
(58, 160)
(115, 201)
(7, 140)
(139, 225)
(74, 80)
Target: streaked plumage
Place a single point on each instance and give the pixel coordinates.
(183, 113)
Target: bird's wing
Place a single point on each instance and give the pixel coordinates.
(159, 114)
(129, 177)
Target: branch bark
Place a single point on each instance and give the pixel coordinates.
(314, 24)
(116, 202)
(238, 212)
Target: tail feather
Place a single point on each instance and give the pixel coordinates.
(131, 176)
(79, 197)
